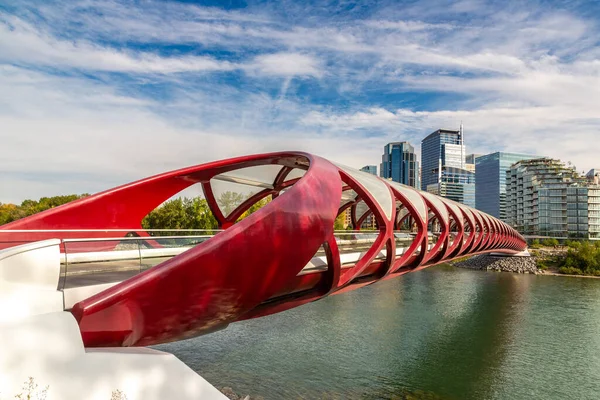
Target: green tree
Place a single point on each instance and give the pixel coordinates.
(229, 201)
(339, 222)
(181, 213)
(6, 213)
(585, 258)
(550, 242)
(255, 207)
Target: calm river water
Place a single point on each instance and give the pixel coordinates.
(441, 333)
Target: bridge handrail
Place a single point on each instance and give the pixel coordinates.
(141, 253)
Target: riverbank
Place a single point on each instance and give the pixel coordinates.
(543, 261)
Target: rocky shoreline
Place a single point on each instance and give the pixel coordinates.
(487, 262)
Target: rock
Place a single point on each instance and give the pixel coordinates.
(227, 391)
(522, 265)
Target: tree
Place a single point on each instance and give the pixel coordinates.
(255, 207)
(229, 201)
(339, 222)
(7, 212)
(585, 258)
(186, 213)
(550, 242)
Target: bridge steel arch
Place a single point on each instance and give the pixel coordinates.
(259, 265)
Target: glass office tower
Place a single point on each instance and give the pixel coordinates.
(490, 178)
(399, 163)
(455, 184)
(441, 148)
(443, 167)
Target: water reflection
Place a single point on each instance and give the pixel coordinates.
(437, 333)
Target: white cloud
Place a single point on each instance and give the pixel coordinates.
(64, 135)
(372, 118)
(287, 64)
(22, 43)
(558, 132)
(406, 26)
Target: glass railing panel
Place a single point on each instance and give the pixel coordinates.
(353, 245)
(106, 260)
(403, 241)
(163, 248)
(87, 262)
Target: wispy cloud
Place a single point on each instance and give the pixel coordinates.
(287, 64)
(116, 90)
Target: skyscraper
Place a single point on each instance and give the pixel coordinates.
(490, 181)
(443, 169)
(440, 148)
(399, 163)
(371, 169)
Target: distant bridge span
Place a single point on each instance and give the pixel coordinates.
(261, 264)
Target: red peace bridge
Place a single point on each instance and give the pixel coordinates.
(283, 255)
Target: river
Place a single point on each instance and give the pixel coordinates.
(440, 333)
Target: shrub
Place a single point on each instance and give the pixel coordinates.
(572, 244)
(550, 242)
(541, 264)
(570, 271)
(535, 244)
(585, 258)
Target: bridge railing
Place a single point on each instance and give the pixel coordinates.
(93, 261)
(110, 256)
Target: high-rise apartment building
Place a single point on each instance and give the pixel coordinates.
(490, 181)
(545, 197)
(370, 169)
(443, 167)
(399, 163)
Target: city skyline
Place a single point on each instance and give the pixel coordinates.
(99, 94)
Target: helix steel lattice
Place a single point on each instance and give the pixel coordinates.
(264, 263)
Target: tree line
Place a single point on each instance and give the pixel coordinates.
(12, 212)
(177, 213)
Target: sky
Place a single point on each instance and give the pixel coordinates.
(94, 94)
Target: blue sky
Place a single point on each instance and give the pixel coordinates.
(98, 93)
